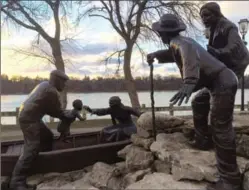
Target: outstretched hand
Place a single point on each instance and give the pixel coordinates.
(185, 91)
(87, 108)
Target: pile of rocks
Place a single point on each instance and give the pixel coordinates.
(166, 163)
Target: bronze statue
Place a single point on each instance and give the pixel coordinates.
(44, 99)
(226, 45)
(64, 125)
(125, 128)
(200, 69)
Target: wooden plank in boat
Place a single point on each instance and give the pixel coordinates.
(14, 149)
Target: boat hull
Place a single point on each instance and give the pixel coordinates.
(69, 159)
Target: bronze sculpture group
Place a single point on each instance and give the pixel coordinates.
(214, 73)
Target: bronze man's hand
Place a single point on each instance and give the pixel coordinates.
(87, 108)
(213, 51)
(185, 91)
(150, 58)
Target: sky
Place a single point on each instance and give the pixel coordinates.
(94, 39)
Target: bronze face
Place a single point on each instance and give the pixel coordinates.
(208, 18)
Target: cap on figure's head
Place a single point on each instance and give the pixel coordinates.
(58, 79)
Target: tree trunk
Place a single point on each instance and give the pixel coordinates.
(129, 81)
(60, 65)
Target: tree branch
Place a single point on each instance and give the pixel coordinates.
(57, 20)
(112, 19)
(96, 15)
(121, 24)
(18, 21)
(32, 21)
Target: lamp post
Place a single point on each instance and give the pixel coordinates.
(243, 28)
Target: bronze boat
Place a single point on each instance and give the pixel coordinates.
(83, 150)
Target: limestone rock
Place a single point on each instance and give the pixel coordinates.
(168, 142)
(35, 179)
(122, 153)
(162, 167)
(142, 142)
(193, 165)
(242, 142)
(135, 176)
(101, 174)
(163, 122)
(138, 159)
(54, 181)
(120, 169)
(165, 181)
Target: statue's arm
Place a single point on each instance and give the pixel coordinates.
(53, 107)
(101, 112)
(190, 63)
(164, 56)
(79, 116)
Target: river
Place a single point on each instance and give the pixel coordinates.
(100, 100)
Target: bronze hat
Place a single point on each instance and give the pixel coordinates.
(169, 23)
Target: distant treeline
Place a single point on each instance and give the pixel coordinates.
(24, 85)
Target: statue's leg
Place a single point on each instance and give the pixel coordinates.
(31, 133)
(46, 138)
(222, 107)
(201, 108)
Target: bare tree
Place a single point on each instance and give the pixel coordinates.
(30, 15)
(132, 21)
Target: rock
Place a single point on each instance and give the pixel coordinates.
(168, 142)
(120, 169)
(242, 148)
(162, 167)
(114, 183)
(54, 182)
(75, 175)
(135, 176)
(79, 184)
(51, 175)
(193, 165)
(122, 153)
(142, 142)
(197, 165)
(35, 179)
(163, 122)
(138, 159)
(165, 181)
(101, 174)
(246, 181)
(242, 163)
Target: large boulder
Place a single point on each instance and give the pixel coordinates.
(163, 122)
(168, 142)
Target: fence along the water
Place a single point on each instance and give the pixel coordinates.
(170, 109)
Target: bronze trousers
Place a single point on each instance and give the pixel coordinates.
(37, 137)
(218, 101)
